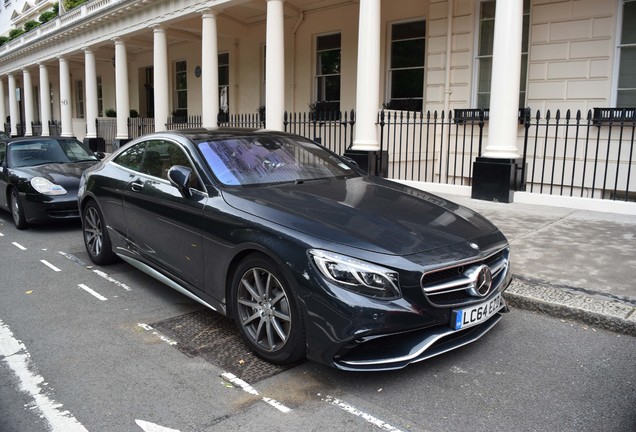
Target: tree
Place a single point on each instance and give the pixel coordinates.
(30, 25)
(15, 33)
(70, 4)
(47, 16)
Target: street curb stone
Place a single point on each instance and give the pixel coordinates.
(605, 314)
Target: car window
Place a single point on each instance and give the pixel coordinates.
(3, 153)
(131, 158)
(40, 151)
(267, 160)
(155, 158)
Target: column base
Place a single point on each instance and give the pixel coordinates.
(373, 162)
(95, 144)
(496, 179)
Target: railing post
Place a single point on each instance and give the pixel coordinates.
(524, 164)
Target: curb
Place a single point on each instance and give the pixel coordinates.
(561, 303)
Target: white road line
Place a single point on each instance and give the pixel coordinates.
(1, 235)
(110, 279)
(368, 417)
(73, 258)
(19, 246)
(251, 390)
(151, 427)
(49, 265)
(92, 292)
(17, 358)
(159, 335)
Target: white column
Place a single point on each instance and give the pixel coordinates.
(121, 89)
(14, 110)
(28, 102)
(210, 70)
(161, 83)
(3, 112)
(66, 111)
(506, 68)
(275, 66)
(45, 100)
(368, 82)
(90, 77)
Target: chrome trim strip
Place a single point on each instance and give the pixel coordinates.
(423, 346)
(161, 278)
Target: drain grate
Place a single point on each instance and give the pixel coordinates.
(216, 339)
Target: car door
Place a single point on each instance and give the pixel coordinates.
(4, 175)
(164, 225)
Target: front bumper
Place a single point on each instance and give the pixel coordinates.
(40, 208)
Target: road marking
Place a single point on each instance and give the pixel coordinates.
(1, 235)
(368, 417)
(49, 265)
(110, 279)
(159, 335)
(251, 390)
(19, 246)
(16, 356)
(92, 292)
(151, 427)
(73, 258)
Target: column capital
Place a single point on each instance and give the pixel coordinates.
(209, 13)
(158, 28)
(87, 49)
(118, 40)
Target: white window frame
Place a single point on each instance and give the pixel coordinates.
(315, 67)
(389, 31)
(80, 109)
(176, 106)
(225, 86)
(617, 54)
(475, 83)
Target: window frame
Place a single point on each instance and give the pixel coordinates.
(80, 109)
(619, 46)
(224, 89)
(523, 87)
(389, 56)
(317, 76)
(177, 91)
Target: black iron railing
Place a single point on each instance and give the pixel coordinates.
(333, 130)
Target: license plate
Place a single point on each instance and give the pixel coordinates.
(473, 315)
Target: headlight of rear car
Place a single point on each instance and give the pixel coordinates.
(45, 187)
(356, 275)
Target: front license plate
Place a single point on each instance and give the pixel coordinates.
(471, 316)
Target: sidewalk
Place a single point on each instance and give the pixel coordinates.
(572, 264)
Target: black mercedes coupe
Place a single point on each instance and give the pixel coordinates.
(39, 177)
(309, 255)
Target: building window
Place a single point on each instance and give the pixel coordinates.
(626, 88)
(36, 103)
(224, 84)
(484, 52)
(181, 89)
(406, 67)
(79, 99)
(100, 99)
(328, 70)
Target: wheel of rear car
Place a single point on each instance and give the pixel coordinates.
(17, 211)
(266, 311)
(96, 237)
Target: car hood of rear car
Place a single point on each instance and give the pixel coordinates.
(64, 174)
(363, 212)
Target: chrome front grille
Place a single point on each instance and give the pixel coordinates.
(456, 285)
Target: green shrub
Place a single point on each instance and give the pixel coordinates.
(30, 25)
(70, 4)
(47, 16)
(134, 113)
(3, 40)
(111, 113)
(15, 33)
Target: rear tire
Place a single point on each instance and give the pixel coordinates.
(95, 234)
(17, 211)
(266, 311)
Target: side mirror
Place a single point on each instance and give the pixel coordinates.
(100, 155)
(179, 176)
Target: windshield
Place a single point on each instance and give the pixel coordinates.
(257, 160)
(43, 151)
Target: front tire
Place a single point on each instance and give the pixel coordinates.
(17, 211)
(266, 311)
(96, 237)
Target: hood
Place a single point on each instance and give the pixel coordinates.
(364, 212)
(66, 175)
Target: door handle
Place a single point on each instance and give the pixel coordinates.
(137, 186)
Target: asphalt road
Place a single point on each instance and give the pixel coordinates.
(73, 356)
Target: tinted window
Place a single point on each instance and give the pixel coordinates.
(266, 160)
(131, 158)
(3, 153)
(42, 151)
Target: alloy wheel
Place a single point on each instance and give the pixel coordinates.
(93, 232)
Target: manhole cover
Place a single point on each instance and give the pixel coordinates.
(216, 339)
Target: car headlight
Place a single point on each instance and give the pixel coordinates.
(45, 187)
(356, 275)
